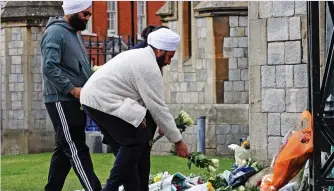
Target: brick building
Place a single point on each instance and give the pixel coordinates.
(112, 19)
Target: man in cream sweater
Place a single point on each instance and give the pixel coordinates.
(117, 97)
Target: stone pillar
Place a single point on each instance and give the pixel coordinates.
(277, 72)
(24, 115)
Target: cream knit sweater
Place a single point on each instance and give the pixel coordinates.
(128, 84)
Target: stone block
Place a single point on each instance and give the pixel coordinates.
(201, 97)
(233, 21)
(234, 75)
(237, 31)
(274, 144)
(238, 86)
(37, 78)
(288, 122)
(16, 105)
(12, 78)
(243, 21)
(37, 87)
(304, 39)
(243, 97)
(232, 139)
(300, 7)
(192, 86)
(292, 52)
(273, 100)
(228, 52)
(201, 43)
(259, 135)
(179, 97)
(12, 69)
(19, 87)
(258, 42)
(210, 136)
(268, 76)
(199, 64)
(16, 60)
(295, 28)
(242, 63)
(300, 76)
(283, 8)
(13, 96)
(35, 30)
(276, 53)
(231, 97)
(189, 77)
(201, 22)
(274, 124)
(240, 52)
(254, 92)
(194, 97)
(36, 105)
(187, 68)
(224, 150)
(244, 129)
(265, 9)
(186, 97)
(20, 78)
(278, 29)
(223, 129)
(244, 74)
(11, 87)
(200, 86)
(236, 129)
(201, 75)
(221, 139)
(202, 33)
(284, 76)
(228, 86)
(181, 77)
(37, 96)
(243, 41)
(18, 69)
(231, 42)
(296, 100)
(233, 63)
(16, 36)
(253, 10)
(231, 113)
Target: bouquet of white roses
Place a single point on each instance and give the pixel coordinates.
(182, 121)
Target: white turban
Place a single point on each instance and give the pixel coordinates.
(164, 39)
(75, 6)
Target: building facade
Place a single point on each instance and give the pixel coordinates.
(113, 18)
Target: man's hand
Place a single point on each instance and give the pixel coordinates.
(181, 149)
(143, 124)
(75, 92)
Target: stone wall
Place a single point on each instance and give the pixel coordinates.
(225, 124)
(277, 72)
(23, 110)
(236, 50)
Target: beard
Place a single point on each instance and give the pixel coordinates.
(161, 60)
(77, 23)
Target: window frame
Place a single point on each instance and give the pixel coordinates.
(109, 11)
(144, 16)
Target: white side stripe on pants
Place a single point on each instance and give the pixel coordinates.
(73, 149)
